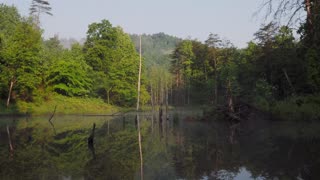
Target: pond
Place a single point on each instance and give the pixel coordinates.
(181, 146)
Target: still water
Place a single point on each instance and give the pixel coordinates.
(182, 146)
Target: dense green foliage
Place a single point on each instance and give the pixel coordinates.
(19, 54)
(112, 56)
(32, 68)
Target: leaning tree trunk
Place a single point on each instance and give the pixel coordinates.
(10, 91)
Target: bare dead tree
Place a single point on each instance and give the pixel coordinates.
(290, 11)
(137, 117)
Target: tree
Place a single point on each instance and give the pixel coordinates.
(51, 52)
(183, 59)
(110, 52)
(288, 9)
(9, 19)
(227, 65)
(69, 75)
(37, 7)
(214, 42)
(309, 31)
(20, 57)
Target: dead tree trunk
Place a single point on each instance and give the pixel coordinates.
(137, 117)
(139, 78)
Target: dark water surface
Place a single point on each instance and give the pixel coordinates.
(182, 147)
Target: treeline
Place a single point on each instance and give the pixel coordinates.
(273, 67)
(32, 68)
(217, 70)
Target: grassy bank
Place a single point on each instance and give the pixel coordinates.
(298, 108)
(65, 105)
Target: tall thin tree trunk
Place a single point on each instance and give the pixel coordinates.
(10, 91)
(205, 73)
(167, 100)
(230, 100)
(108, 96)
(152, 104)
(139, 78)
(188, 93)
(171, 92)
(152, 98)
(216, 83)
(138, 120)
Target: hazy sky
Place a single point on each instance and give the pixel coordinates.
(231, 19)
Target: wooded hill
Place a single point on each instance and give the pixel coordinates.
(156, 48)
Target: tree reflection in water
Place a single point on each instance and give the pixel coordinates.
(183, 147)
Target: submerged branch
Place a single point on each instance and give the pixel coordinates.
(54, 111)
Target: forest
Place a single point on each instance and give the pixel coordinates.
(119, 105)
(277, 72)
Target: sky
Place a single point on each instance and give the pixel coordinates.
(231, 19)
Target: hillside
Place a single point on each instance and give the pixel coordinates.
(156, 48)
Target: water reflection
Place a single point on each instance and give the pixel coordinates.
(177, 147)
